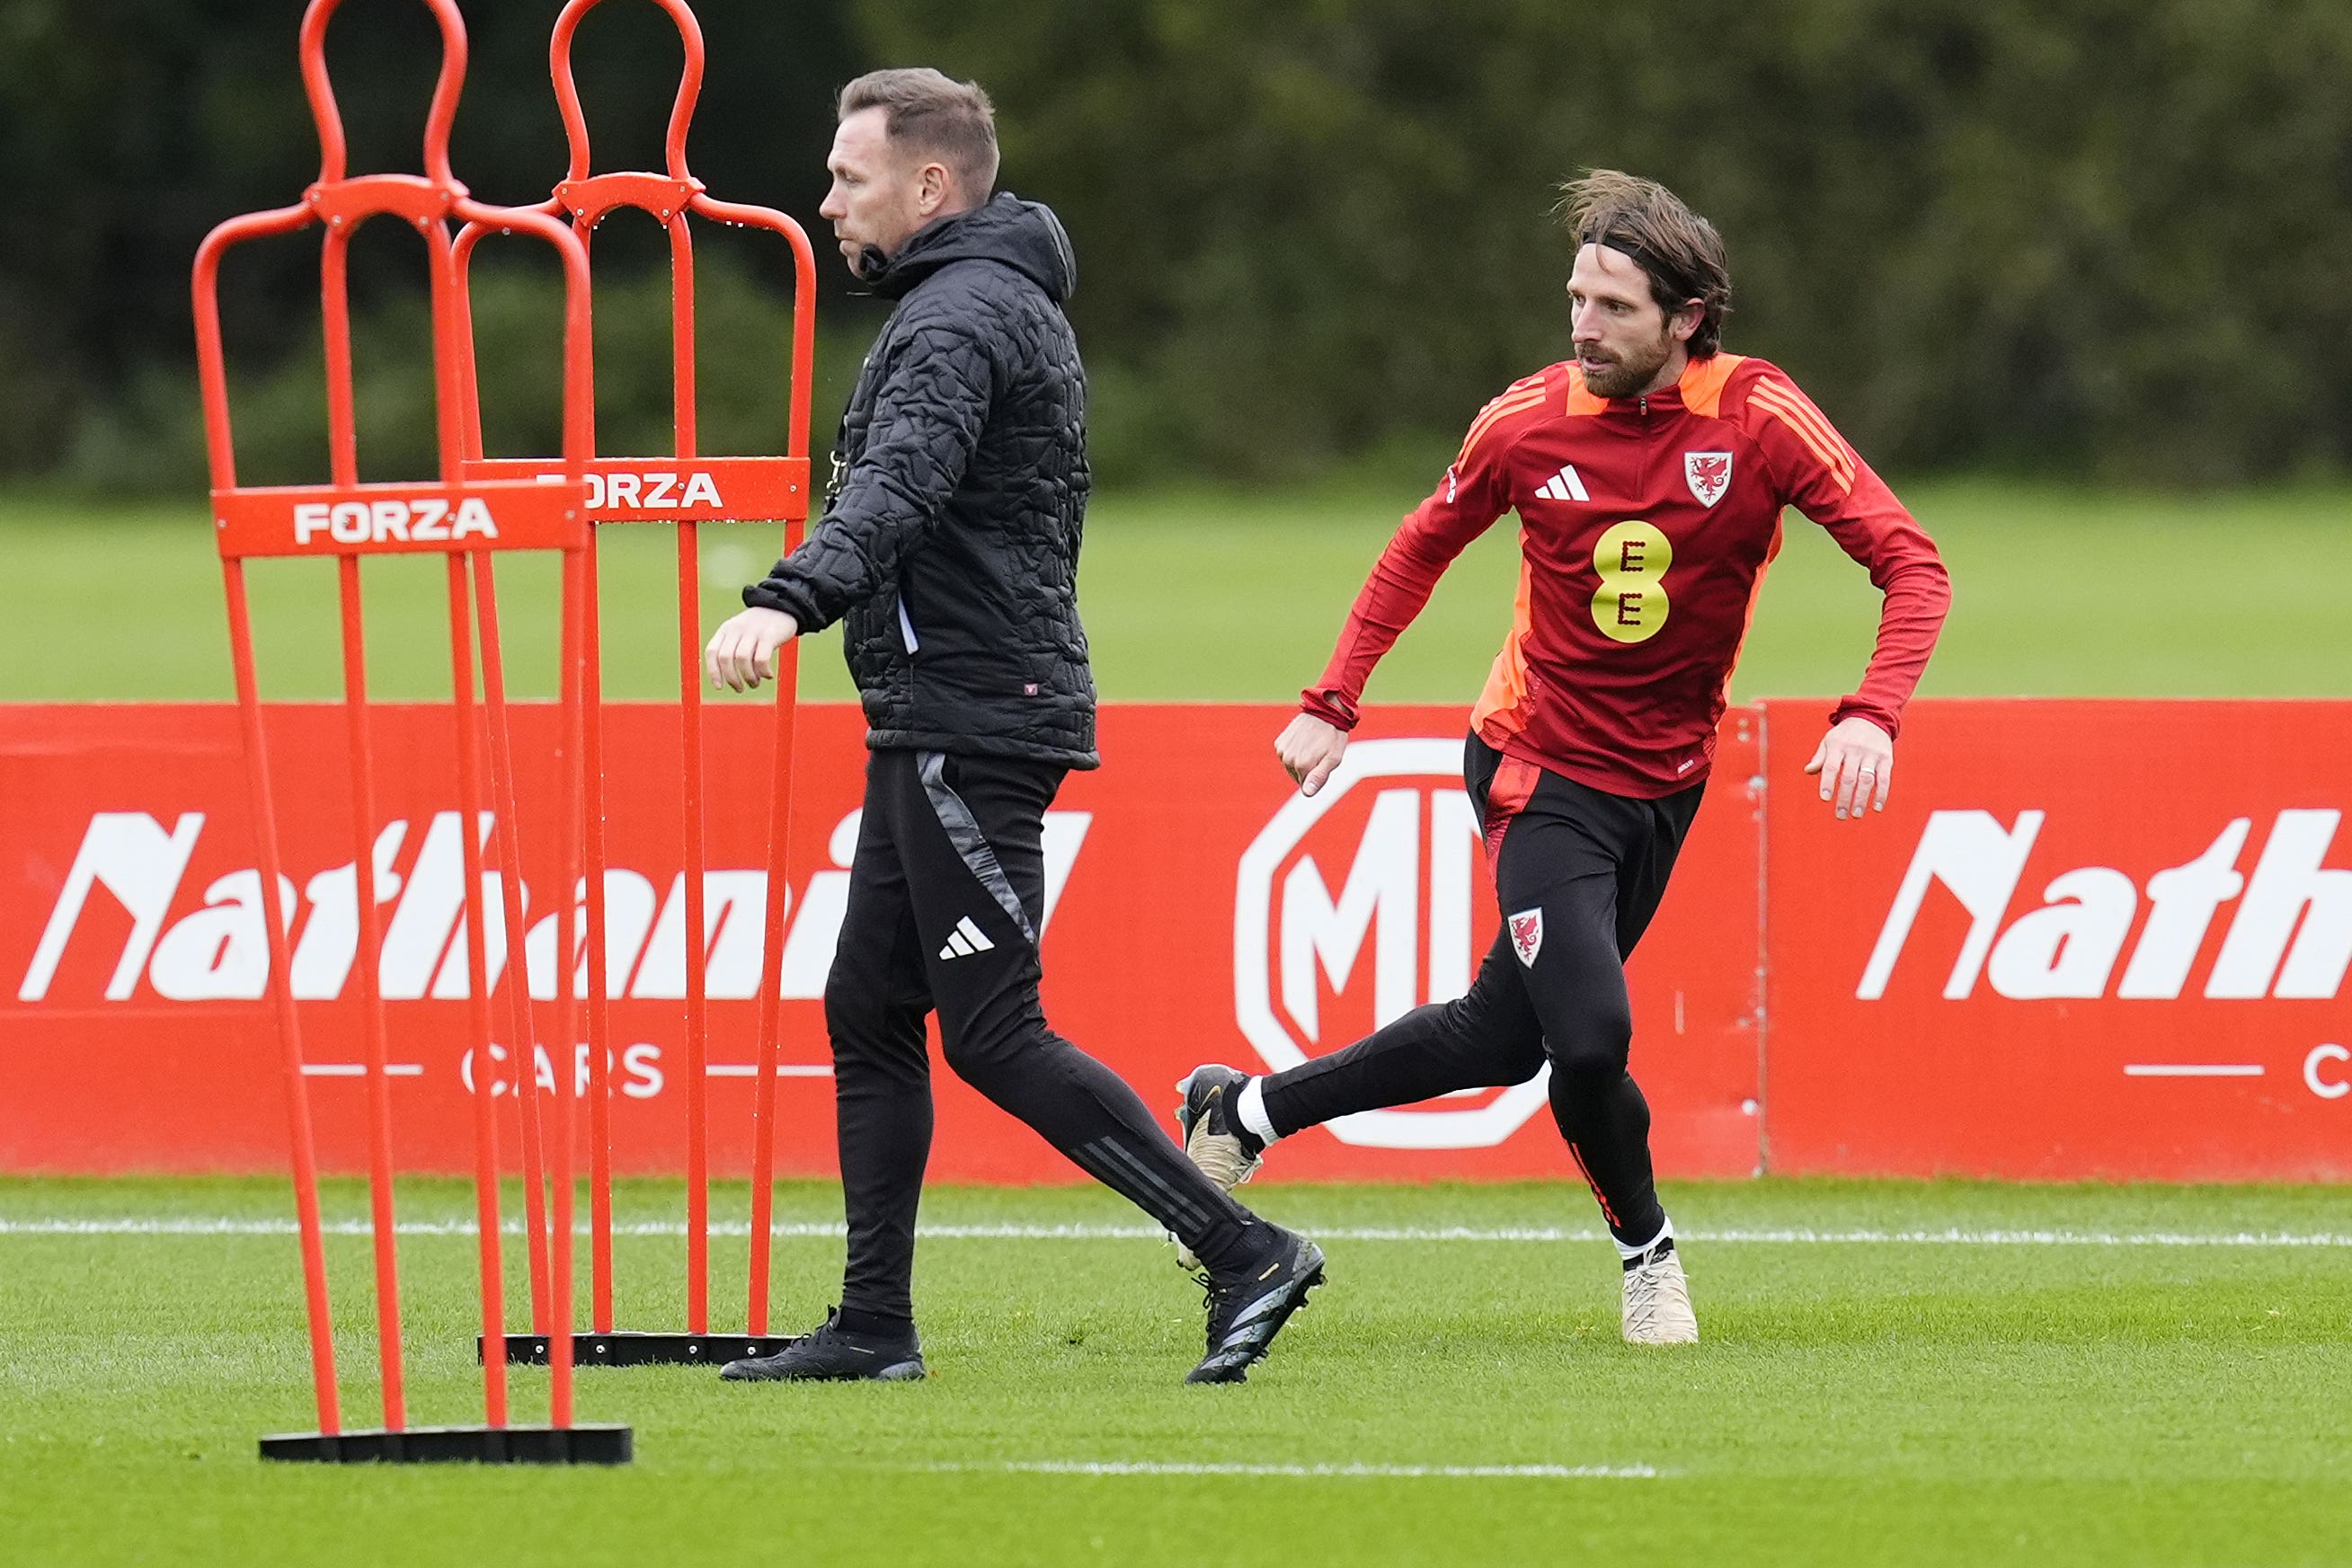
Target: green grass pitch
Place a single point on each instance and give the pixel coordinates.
(2005, 1375)
(1238, 596)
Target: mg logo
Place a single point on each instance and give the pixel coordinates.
(1366, 892)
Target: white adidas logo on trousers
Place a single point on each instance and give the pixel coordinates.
(965, 940)
(1564, 486)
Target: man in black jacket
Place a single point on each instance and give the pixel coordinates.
(949, 547)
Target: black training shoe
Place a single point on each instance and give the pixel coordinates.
(1248, 1310)
(832, 1354)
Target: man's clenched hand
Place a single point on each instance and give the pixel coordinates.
(1856, 763)
(1309, 750)
(742, 652)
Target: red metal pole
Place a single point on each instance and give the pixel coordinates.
(771, 972)
(486, 1070)
(582, 578)
(521, 1024)
(366, 962)
(281, 996)
(212, 375)
(567, 1088)
(342, 459)
(600, 1013)
(763, 1118)
(461, 301)
(552, 1307)
(689, 697)
(450, 415)
(578, 650)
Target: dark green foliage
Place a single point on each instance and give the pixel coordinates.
(151, 437)
(2107, 233)
(2097, 236)
(133, 126)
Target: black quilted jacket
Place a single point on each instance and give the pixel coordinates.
(949, 539)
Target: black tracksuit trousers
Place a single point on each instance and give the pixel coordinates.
(1579, 874)
(946, 897)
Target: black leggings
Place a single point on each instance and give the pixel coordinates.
(1579, 874)
(946, 894)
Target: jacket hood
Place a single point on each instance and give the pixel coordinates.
(1023, 236)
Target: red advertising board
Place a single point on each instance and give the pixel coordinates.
(2088, 939)
(133, 1035)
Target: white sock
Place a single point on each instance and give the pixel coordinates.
(1627, 1254)
(1249, 1109)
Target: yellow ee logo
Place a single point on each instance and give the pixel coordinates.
(1632, 559)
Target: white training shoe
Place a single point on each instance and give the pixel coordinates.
(1657, 1303)
(1225, 1151)
(1212, 1133)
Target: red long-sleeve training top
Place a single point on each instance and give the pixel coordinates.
(1645, 527)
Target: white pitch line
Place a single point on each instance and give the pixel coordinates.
(416, 1069)
(1312, 1472)
(2193, 1070)
(751, 1070)
(822, 1230)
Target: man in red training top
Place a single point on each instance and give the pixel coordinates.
(1649, 474)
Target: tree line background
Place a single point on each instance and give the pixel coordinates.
(2103, 237)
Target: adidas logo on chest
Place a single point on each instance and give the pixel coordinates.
(1564, 486)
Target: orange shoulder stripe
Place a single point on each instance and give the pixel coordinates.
(1786, 394)
(1510, 403)
(1797, 418)
(1808, 428)
(1829, 462)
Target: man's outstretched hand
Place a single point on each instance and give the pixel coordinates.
(742, 652)
(1857, 763)
(1309, 750)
